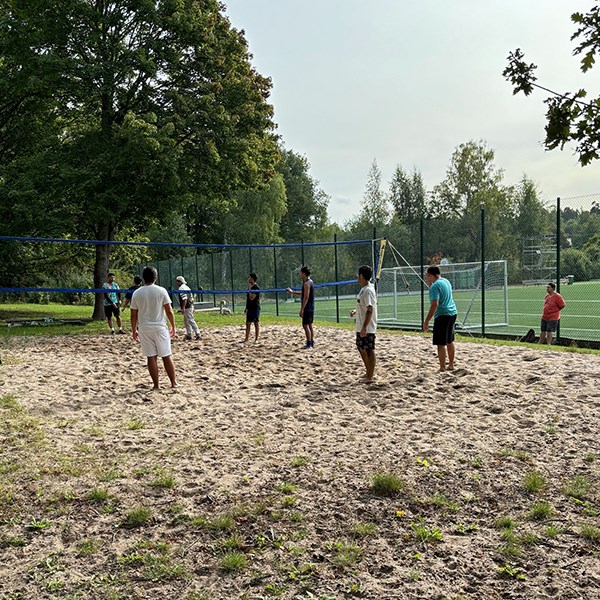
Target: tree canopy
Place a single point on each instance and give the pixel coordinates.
(116, 113)
(568, 117)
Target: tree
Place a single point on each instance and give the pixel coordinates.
(568, 117)
(407, 195)
(306, 214)
(116, 113)
(374, 211)
(472, 182)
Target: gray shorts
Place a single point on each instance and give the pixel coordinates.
(549, 326)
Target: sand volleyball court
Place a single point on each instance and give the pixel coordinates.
(271, 472)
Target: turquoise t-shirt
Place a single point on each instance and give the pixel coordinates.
(441, 290)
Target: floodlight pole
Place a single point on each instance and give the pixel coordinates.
(276, 283)
(421, 261)
(337, 291)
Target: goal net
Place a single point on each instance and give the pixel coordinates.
(400, 290)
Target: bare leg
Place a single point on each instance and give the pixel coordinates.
(312, 333)
(153, 368)
(542, 337)
(256, 331)
(442, 357)
(247, 332)
(549, 338)
(110, 325)
(370, 364)
(307, 332)
(119, 323)
(451, 356)
(363, 355)
(170, 369)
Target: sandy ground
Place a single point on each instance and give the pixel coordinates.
(286, 442)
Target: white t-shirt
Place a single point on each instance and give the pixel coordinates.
(149, 301)
(366, 297)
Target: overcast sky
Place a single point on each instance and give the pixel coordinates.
(406, 81)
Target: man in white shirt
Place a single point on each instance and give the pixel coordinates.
(149, 305)
(366, 321)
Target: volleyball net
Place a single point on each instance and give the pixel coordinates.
(43, 270)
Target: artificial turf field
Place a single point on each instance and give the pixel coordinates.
(579, 320)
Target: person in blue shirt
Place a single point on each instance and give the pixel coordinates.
(443, 309)
(112, 303)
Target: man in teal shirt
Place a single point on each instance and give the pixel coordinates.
(441, 307)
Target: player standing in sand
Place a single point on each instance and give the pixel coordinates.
(112, 303)
(149, 305)
(553, 304)
(443, 308)
(366, 321)
(186, 303)
(252, 310)
(307, 310)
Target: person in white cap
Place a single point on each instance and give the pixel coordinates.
(186, 303)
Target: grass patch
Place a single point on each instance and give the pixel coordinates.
(97, 495)
(534, 482)
(363, 530)
(386, 484)
(578, 487)
(590, 532)
(137, 517)
(425, 534)
(232, 562)
(505, 522)
(344, 553)
(541, 511)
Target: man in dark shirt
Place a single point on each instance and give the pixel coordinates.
(307, 311)
(252, 311)
(137, 282)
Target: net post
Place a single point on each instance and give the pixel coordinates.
(482, 271)
(421, 262)
(337, 291)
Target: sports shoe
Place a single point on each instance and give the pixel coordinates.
(306, 346)
(198, 337)
(121, 332)
(112, 332)
(312, 344)
(187, 337)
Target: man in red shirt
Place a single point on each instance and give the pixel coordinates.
(553, 304)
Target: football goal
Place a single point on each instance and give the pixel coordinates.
(399, 294)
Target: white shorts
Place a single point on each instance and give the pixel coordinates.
(155, 343)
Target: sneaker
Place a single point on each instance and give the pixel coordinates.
(121, 332)
(198, 337)
(306, 346)
(312, 344)
(112, 332)
(187, 337)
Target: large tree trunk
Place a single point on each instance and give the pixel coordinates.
(103, 233)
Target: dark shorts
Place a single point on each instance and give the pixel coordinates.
(365, 343)
(253, 316)
(549, 326)
(308, 318)
(111, 310)
(443, 330)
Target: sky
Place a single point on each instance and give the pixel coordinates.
(405, 82)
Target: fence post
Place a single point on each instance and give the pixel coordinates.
(232, 282)
(198, 277)
(276, 284)
(337, 291)
(482, 271)
(212, 269)
(421, 268)
(558, 260)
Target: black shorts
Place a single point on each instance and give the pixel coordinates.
(308, 318)
(111, 310)
(365, 343)
(443, 330)
(549, 326)
(253, 316)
